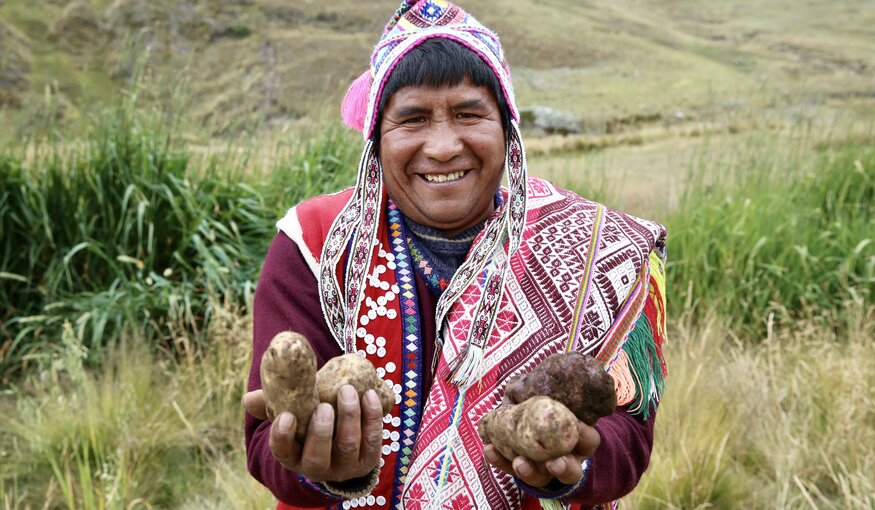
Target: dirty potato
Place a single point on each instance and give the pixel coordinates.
(288, 378)
(539, 429)
(354, 370)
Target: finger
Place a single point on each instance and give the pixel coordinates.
(531, 473)
(282, 442)
(372, 428)
(316, 454)
(349, 422)
(498, 460)
(254, 404)
(566, 469)
(589, 440)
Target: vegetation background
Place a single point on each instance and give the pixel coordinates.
(147, 148)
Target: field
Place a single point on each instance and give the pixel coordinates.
(137, 203)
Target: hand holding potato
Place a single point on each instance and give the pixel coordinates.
(326, 425)
(544, 427)
(565, 468)
(353, 451)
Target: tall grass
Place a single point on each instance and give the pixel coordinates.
(777, 242)
(125, 234)
(145, 431)
(787, 423)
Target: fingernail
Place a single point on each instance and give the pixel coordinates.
(490, 455)
(324, 412)
(522, 468)
(372, 399)
(556, 465)
(348, 394)
(285, 423)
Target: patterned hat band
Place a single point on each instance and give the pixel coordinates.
(413, 25)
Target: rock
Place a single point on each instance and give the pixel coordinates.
(14, 65)
(550, 121)
(77, 30)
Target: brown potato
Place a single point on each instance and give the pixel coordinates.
(575, 379)
(291, 383)
(354, 370)
(288, 378)
(539, 429)
(538, 418)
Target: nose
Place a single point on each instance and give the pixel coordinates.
(443, 142)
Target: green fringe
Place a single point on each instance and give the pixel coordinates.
(644, 363)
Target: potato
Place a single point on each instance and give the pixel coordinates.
(539, 428)
(288, 378)
(538, 418)
(354, 370)
(291, 383)
(575, 379)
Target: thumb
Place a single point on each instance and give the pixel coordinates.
(589, 440)
(254, 404)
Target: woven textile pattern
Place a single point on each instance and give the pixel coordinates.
(440, 458)
(533, 322)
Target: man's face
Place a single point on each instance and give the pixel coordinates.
(442, 152)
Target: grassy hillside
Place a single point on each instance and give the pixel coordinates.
(612, 64)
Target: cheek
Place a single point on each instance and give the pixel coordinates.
(394, 158)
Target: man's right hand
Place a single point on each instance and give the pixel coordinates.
(352, 452)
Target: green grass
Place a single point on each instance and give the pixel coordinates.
(125, 233)
(771, 241)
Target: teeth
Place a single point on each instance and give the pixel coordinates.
(444, 177)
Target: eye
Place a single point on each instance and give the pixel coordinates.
(414, 120)
(467, 115)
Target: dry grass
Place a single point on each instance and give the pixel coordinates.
(144, 431)
(786, 424)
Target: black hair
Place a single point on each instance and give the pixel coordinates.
(441, 62)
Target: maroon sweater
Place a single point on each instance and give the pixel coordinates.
(287, 299)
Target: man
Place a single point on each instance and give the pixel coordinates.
(451, 284)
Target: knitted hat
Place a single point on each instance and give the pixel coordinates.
(412, 24)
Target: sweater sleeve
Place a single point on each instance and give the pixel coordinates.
(286, 298)
(620, 460)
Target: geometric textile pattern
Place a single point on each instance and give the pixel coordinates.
(537, 304)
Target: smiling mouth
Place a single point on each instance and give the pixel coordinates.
(444, 177)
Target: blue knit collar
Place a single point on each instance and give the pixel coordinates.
(437, 256)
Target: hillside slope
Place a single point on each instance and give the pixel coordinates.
(608, 63)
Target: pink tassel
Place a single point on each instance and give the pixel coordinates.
(355, 103)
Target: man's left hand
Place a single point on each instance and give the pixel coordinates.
(567, 469)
